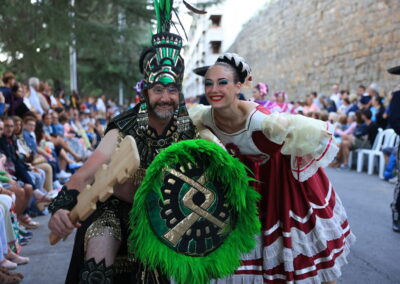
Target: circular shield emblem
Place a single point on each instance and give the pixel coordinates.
(195, 207)
(192, 216)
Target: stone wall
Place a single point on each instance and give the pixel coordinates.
(305, 45)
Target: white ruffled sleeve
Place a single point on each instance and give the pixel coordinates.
(196, 113)
(309, 142)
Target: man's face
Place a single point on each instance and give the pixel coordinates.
(163, 101)
(30, 125)
(360, 91)
(335, 89)
(8, 127)
(54, 118)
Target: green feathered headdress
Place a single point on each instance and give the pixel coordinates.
(194, 213)
(162, 62)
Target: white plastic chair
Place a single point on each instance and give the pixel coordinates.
(355, 152)
(361, 152)
(384, 139)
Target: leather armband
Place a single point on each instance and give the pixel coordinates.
(66, 199)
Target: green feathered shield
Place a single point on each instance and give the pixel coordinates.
(194, 213)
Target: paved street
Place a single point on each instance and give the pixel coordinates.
(375, 258)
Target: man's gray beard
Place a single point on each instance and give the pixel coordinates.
(163, 114)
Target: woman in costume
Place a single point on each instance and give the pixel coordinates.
(280, 103)
(260, 93)
(305, 233)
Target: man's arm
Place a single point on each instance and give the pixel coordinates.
(102, 155)
(59, 223)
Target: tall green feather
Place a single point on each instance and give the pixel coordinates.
(145, 245)
(163, 10)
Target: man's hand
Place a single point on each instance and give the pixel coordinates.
(60, 224)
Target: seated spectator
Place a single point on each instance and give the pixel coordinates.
(34, 96)
(331, 106)
(23, 171)
(378, 112)
(317, 100)
(23, 192)
(40, 158)
(7, 203)
(51, 136)
(5, 264)
(38, 175)
(8, 81)
(365, 100)
(16, 105)
(44, 100)
(310, 106)
(324, 115)
(341, 123)
(333, 118)
(362, 138)
(61, 160)
(57, 127)
(353, 104)
(345, 106)
(350, 127)
(281, 103)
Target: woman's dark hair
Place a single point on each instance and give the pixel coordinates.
(232, 69)
(45, 114)
(359, 119)
(14, 88)
(379, 100)
(39, 132)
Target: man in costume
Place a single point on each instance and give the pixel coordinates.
(100, 249)
(394, 121)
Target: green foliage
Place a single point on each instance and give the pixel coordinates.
(107, 51)
(36, 35)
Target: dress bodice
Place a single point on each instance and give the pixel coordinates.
(242, 142)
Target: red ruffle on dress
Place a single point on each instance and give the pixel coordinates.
(305, 233)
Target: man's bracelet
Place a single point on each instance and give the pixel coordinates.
(66, 199)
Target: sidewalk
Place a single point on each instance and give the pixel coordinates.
(48, 264)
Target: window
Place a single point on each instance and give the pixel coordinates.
(216, 47)
(215, 20)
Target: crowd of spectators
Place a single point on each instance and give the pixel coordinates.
(44, 138)
(355, 119)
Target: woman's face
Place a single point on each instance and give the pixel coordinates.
(220, 89)
(309, 101)
(280, 99)
(17, 127)
(257, 94)
(47, 119)
(375, 102)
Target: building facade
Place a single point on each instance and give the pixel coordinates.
(212, 34)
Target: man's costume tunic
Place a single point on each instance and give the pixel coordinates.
(112, 216)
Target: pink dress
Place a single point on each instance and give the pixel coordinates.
(275, 107)
(305, 233)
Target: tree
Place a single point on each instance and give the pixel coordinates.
(110, 35)
(36, 37)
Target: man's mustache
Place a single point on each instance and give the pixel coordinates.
(165, 104)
